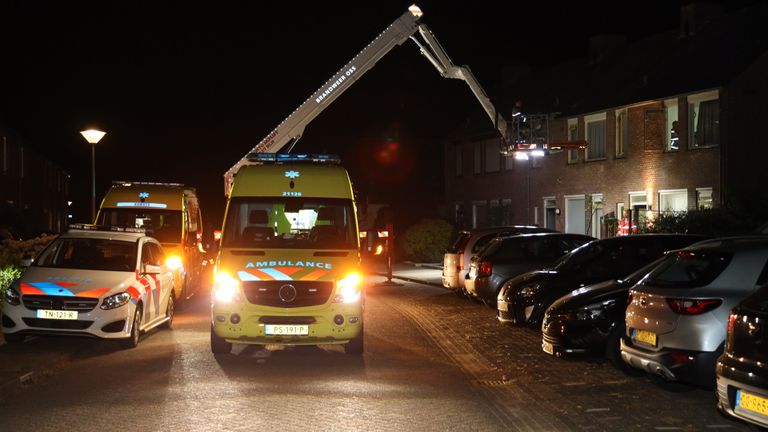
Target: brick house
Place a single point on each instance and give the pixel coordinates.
(33, 189)
(673, 122)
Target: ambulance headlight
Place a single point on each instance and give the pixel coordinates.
(225, 287)
(115, 301)
(173, 262)
(348, 289)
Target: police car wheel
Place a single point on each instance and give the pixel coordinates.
(219, 345)
(169, 312)
(14, 339)
(133, 340)
(356, 346)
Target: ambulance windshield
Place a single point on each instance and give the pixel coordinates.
(309, 223)
(164, 225)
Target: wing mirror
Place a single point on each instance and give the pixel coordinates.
(150, 269)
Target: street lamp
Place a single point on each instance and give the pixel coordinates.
(93, 136)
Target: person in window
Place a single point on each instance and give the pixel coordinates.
(674, 137)
(625, 224)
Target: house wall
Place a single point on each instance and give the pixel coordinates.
(646, 166)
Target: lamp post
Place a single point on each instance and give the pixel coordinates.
(93, 136)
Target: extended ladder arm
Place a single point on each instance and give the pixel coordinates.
(290, 130)
(434, 52)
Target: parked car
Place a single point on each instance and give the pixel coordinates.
(677, 316)
(467, 243)
(525, 298)
(107, 282)
(507, 257)
(742, 370)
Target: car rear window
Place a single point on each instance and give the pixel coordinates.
(689, 269)
(481, 242)
(459, 243)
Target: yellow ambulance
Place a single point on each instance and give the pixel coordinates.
(288, 270)
(171, 214)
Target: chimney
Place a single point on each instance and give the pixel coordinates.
(695, 15)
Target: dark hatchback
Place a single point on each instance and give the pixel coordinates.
(506, 257)
(524, 299)
(742, 370)
(590, 320)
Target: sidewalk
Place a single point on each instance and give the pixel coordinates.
(423, 273)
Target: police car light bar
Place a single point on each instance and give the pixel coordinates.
(293, 157)
(88, 227)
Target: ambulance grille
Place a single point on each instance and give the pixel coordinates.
(80, 304)
(279, 293)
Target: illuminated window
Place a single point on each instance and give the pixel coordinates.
(673, 127)
(703, 120)
(673, 201)
(595, 127)
(704, 198)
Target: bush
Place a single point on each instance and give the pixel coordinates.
(427, 240)
(13, 251)
(715, 222)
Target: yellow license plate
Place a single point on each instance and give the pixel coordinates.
(56, 314)
(752, 402)
(287, 330)
(645, 336)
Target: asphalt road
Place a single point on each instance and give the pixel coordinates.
(432, 362)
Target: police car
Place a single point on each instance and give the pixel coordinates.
(106, 282)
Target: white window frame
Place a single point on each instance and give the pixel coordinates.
(592, 119)
(671, 104)
(573, 154)
(565, 201)
(698, 98)
(663, 192)
(594, 220)
(711, 196)
(547, 203)
(620, 146)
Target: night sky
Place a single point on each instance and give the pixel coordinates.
(184, 89)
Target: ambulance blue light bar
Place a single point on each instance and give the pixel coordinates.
(141, 204)
(293, 157)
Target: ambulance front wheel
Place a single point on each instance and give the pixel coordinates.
(356, 345)
(219, 345)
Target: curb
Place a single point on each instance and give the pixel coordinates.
(407, 279)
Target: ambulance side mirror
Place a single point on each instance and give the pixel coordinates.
(150, 269)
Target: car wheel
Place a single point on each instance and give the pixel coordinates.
(170, 312)
(219, 345)
(356, 346)
(14, 339)
(613, 352)
(133, 340)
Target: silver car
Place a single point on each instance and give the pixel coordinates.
(467, 244)
(677, 316)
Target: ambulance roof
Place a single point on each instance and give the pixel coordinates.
(168, 196)
(304, 180)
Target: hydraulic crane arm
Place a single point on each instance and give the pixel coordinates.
(290, 130)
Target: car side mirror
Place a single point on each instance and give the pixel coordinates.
(26, 261)
(150, 269)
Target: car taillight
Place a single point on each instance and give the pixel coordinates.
(693, 306)
(731, 321)
(461, 262)
(485, 268)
